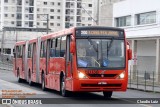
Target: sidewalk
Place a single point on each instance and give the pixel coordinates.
(6, 66)
(143, 88)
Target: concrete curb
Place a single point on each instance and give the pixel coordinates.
(5, 69)
(144, 90)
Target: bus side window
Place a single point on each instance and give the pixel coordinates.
(57, 47)
(63, 46)
(30, 51)
(52, 49)
(42, 49)
(19, 51)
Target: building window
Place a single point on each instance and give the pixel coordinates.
(12, 15)
(6, 1)
(45, 3)
(146, 18)
(45, 10)
(37, 9)
(58, 24)
(58, 17)
(19, 23)
(52, 3)
(59, 10)
(6, 15)
(37, 23)
(12, 22)
(89, 18)
(59, 3)
(19, 16)
(89, 5)
(44, 24)
(5, 8)
(52, 10)
(51, 17)
(123, 21)
(52, 24)
(26, 23)
(13, 1)
(30, 24)
(90, 12)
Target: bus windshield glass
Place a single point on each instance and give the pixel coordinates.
(100, 53)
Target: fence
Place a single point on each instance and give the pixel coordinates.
(144, 80)
(6, 62)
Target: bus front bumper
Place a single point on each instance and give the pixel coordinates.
(97, 85)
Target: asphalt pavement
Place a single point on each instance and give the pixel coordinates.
(9, 82)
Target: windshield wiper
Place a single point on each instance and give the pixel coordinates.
(109, 46)
(91, 42)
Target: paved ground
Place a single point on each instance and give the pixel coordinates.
(8, 81)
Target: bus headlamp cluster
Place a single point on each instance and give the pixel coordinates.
(81, 75)
(122, 75)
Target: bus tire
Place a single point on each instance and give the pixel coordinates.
(107, 94)
(63, 90)
(29, 79)
(43, 82)
(18, 76)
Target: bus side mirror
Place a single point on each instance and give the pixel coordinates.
(129, 54)
(72, 47)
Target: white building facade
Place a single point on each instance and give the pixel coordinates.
(141, 21)
(33, 14)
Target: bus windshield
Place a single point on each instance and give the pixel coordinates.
(100, 53)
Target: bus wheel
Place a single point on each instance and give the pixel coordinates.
(29, 79)
(18, 77)
(43, 82)
(107, 94)
(63, 90)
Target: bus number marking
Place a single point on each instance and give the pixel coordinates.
(91, 71)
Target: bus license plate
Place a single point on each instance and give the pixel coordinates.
(102, 82)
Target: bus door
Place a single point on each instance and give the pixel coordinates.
(34, 59)
(68, 64)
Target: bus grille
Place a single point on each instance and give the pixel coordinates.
(104, 75)
(101, 85)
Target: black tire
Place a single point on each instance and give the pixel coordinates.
(107, 94)
(29, 79)
(63, 90)
(43, 82)
(18, 77)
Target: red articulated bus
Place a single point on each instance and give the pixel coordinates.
(79, 59)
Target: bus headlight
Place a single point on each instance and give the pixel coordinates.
(122, 75)
(81, 75)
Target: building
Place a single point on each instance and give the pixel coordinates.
(48, 14)
(103, 12)
(141, 21)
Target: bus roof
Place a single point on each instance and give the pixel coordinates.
(98, 27)
(68, 31)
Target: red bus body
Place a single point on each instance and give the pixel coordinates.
(35, 60)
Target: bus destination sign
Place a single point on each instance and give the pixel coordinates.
(98, 33)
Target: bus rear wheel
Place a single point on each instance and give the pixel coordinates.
(107, 94)
(43, 82)
(63, 90)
